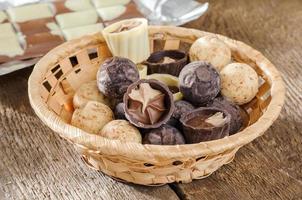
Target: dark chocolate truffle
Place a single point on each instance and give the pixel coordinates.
(181, 107)
(115, 75)
(119, 111)
(204, 124)
(166, 62)
(148, 103)
(234, 110)
(199, 82)
(164, 135)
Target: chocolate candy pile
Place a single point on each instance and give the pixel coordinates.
(166, 97)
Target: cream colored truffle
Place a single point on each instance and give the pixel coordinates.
(211, 49)
(239, 83)
(89, 92)
(92, 117)
(121, 130)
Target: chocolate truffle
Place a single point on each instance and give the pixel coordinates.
(121, 130)
(199, 82)
(92, 117)
(211, 49)
(115, 75)
(239, 83)
(204, 124)
(119, 111)
(89, 92)
(164, 135)
(181, 107)
(234, 110)
(148, 103)
(166, 62)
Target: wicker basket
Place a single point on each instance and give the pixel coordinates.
(59, 73)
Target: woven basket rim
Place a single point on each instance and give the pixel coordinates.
(97, 144)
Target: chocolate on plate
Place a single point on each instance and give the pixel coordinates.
(204, 124)
(235, 111)
(199, 82)
(148, 103)
(164, 135)
(166, 62)
(115, 75)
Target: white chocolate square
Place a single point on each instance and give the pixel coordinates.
(77, 32)
(106, 3)
(6, 30)
(78, 5)
(29, 12)
(112, 12)
(10, 46)
(74, 19)
(3, 16)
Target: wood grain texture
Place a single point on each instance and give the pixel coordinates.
(271, 166)
(36, 164)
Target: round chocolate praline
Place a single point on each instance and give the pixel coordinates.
(233, 109)
(164, 135)
(199, 83)
(155, 64)
(200, 130)
(168, 102)
(115, 75)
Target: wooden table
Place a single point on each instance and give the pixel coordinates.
(37, 164)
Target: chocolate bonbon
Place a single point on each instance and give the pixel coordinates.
(166, 62)
(235, 111)
(204, 124)
(115, 75)
(148, 103)
(239, 83)
(164, 135)
(199, 82)
(211, 49)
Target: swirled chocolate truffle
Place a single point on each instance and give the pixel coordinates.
(204, 124)
(115, 75)
(233, 109)
(199, 82)
(164, 135)
(148, 103)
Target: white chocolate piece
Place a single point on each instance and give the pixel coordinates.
(74, 19)
(77, 32)
(121, 130)
(88, 92)
(92, 117)
(132, 44)
(78, 5)
(3, 16)
(29, 12)
(7, 30)
(107, 3)
(211, 49)
(239, 83)
(10, 46)
(110, 13)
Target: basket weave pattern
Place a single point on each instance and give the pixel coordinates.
(59, 73)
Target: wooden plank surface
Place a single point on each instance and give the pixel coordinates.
(36, 164)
